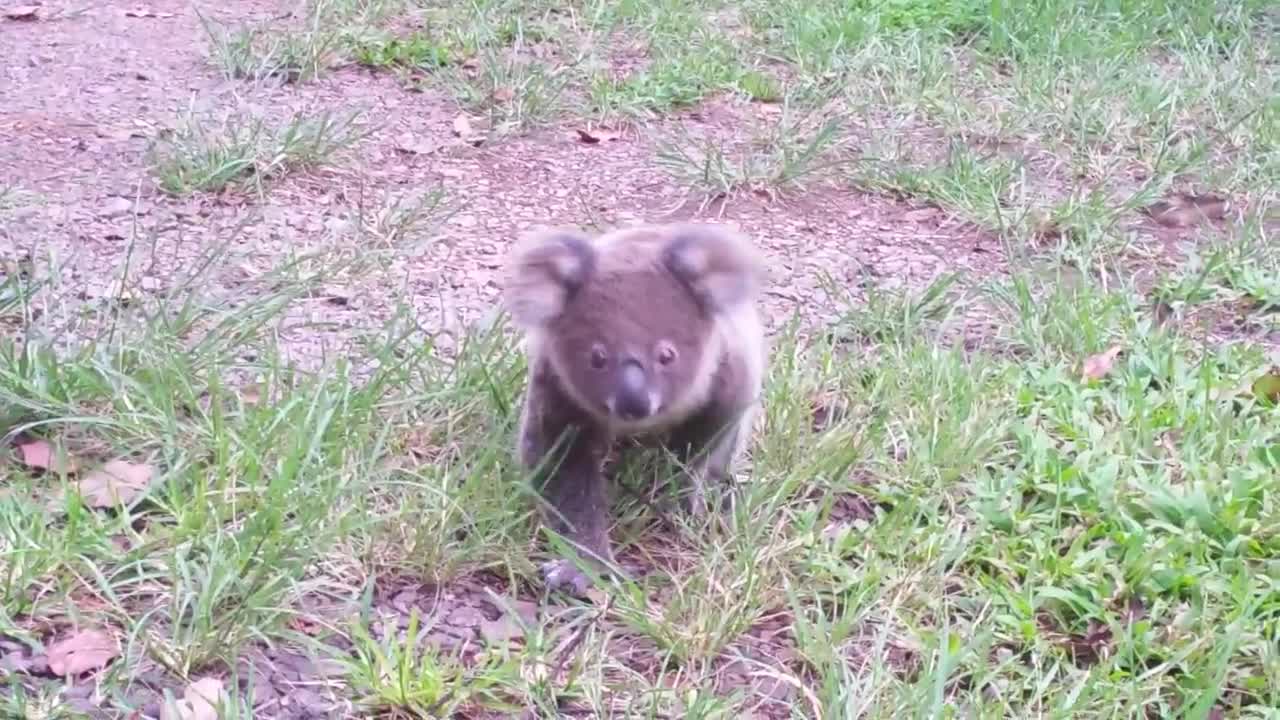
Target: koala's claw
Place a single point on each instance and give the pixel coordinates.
(563, 575)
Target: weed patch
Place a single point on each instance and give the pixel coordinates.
(205, 154)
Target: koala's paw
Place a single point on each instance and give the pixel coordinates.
(701, 488)
(695, 503)
(563, 575)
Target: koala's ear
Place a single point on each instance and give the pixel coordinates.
(544, 270)
(718, 266)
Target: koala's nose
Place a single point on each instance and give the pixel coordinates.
(631, 401)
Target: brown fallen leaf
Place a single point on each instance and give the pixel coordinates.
(923, 215)
(1099, 366)
(22, 12)
(1161, 312)
(1185, 210)
(251, 395)
(81, 652)
(145, 13)
(1134, 609)
(409, 145)
(116, 483)
(826, 412)
(504, 95)
(593, 136)
(1085, 648)
(1267, 387)
(304, 625)
(496, 632)
(199, 701)
(1042, 226)
(40, 455)
(463, 129)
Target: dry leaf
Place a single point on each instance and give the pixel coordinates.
(145, 13)
(504, 94)
(1135, 610)
(84, 651)
(1099, 366)
(251, 395)
(1092, 646)
(501, 630)
(22, 12)
(1162, 312)
(922, 215)
(304, 625)
(1087, 648)
(591, 137)
(1185, 210)
(40, 455)
(117, 482)
(199, 701)
(1268, 386)
(117, 206)
(462, 128)
(1043, 227)
(409, 145)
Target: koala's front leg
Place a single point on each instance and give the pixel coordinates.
(568, 451)
(708, 444)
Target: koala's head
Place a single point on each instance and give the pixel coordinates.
(632, 323)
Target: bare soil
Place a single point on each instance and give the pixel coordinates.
(87, 91)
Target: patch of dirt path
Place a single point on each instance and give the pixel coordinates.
(88, 90)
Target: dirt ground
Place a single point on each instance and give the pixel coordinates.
(90, 89)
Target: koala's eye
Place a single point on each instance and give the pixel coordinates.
(599, 357)
(666, 353)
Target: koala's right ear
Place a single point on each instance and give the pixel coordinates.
(543, 272)
(718, 265)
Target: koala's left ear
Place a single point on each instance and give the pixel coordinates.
(718, 266)
(543, 272)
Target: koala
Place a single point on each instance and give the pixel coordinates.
(649, 332)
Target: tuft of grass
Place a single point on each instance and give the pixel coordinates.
(205, 154)
(508, 63)
(259, 53)
(416, 51)
(394, 676)
(760, 87)
(354, 13)
(786, 153)
(510, 92)
(679, 76)
(989, 191)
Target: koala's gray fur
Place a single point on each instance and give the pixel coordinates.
(643, 332)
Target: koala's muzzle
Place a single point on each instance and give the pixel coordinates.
(632, 399)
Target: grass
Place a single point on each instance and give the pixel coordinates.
(206, 153)
(925, 530)
(1013, 510)
(259, 53)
